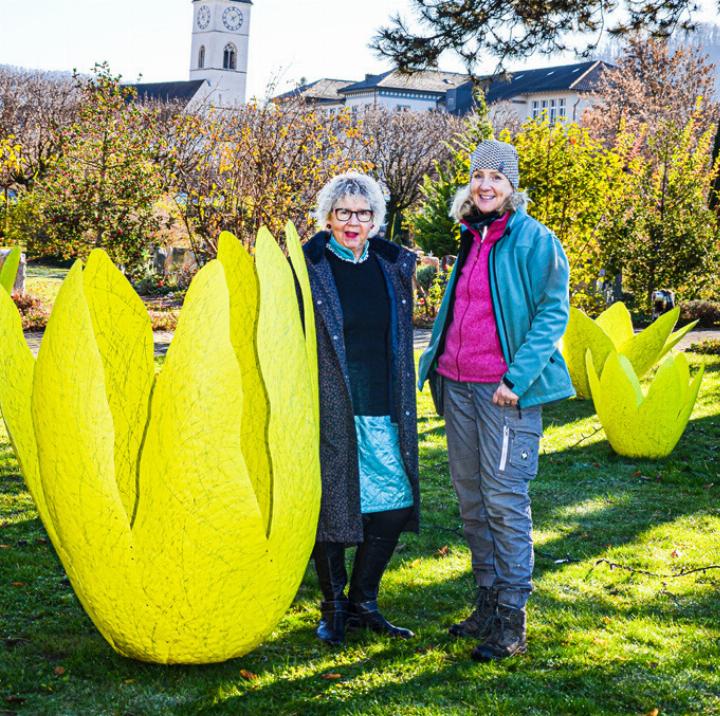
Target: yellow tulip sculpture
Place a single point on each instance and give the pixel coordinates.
(611, 331)
(183, 506)
(637, 425)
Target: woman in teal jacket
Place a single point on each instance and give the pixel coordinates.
(492, 362)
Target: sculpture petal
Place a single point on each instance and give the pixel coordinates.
(297, 260)
(690, 396)
(618, 401)
(617, 323)
(582, 334)
(677, 336)
(243, 289)
(293, 428)
(17, 366)
(75, 439)
(658, 429)
(644, 349)
(9, 269)
(208, 579)
(124, 338)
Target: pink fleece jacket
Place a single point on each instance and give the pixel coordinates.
(472, 350)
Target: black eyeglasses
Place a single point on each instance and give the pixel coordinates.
(363, 216)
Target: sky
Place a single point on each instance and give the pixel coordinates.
(289, 40)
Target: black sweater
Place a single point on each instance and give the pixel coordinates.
(366, 327)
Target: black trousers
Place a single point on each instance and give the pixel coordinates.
(381, 531)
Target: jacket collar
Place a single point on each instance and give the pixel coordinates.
(315, 248)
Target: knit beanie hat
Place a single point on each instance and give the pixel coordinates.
(500, 156)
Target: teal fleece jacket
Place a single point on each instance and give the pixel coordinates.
(529, 280)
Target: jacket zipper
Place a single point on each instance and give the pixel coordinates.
(497, 306)
(467, 303)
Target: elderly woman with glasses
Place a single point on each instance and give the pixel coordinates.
(362, 295)
(492, 363)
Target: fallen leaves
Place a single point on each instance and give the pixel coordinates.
(59, 670)
(331, 676)
(248, 675)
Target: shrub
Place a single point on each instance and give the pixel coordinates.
(706, 312)
(34, 313)
(425, 276)
(709, 347)
(428, 302)
(164, 320)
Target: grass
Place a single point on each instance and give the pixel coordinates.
(602, 640)
(44, 282)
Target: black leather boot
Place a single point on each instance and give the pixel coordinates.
(329, 558)
(371, 559)
(478, 624)
(507, 635)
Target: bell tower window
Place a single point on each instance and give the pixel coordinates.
(230, 57)
(201, 57)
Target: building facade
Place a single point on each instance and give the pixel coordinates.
(563, 92)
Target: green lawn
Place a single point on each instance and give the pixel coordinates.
(44, 282)
(602, 641)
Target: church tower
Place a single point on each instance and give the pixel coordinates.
(219, 51)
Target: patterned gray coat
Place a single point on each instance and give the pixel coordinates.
(340, 517)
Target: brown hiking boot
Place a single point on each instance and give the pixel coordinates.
(477, 625)
(507, 635)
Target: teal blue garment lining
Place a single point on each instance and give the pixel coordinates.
(383, 482)
(344, 253)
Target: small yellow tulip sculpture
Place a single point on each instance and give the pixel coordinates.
(9, 269)
(637, 425)
(611, 331)
(183, 506)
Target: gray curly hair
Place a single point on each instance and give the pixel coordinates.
(350, 184)
(463, 205)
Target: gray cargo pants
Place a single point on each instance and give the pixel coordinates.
(493, 454)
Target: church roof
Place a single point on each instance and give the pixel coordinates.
(167, 91)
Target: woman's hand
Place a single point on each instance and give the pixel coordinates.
(504, 396)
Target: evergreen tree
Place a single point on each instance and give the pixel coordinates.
(432, 228)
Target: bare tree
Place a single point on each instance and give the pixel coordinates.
(259, 165)
(653, 84)
(34, 106)
(403, 147)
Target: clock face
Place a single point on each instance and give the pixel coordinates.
(232, 18)
(203, 17)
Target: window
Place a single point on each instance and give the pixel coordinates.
(201, 57)
(535, 109)
(402, 108)
(229, 57)
(553, 114)
(561, 110)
